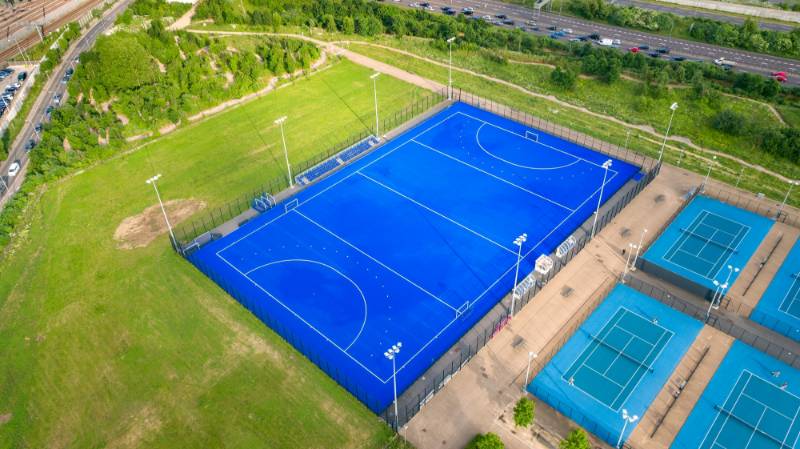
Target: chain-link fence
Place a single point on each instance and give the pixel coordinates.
(754, 203)
(715, 319)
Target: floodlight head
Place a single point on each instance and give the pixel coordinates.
(280, 120)
(388, 355)
(153, 179)
(374, 75)
(716, 283)
(607, 164)
(450, 41)
(624, 413)
(674, 106)
(634, 418)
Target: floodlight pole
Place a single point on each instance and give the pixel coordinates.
(279, 121)
(517, 241)
(708, 173)
(626, 419)
(606, 166)
(631, 246)
(666, 134)
(391, 354)
(627, 139)
(638, 248)
(713, 298)
(450, 68)
(374, 78)
(739, 178)
(786, 198)
(153, 181)
(531, 355)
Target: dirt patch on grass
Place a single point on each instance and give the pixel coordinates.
(4, 418)
(141, 425)
(139, 230)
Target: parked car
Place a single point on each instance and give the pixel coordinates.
(22, 76)
(38, 127)
(13, 169)
(30, 145)
(57, 99)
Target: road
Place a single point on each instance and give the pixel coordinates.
(53, 87)
(745, 60)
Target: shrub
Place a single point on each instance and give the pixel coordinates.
(577, 439)
(487, 440)
(523, 412)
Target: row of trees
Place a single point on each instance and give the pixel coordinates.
(747, 36)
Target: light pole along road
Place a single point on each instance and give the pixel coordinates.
(745, 60)
(53, 86)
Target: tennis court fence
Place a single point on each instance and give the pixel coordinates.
(191, 235)
(755, 203)
(716, 320)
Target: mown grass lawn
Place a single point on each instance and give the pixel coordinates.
(103, 347)
(691, 123)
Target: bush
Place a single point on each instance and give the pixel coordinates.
(730, 122)
(563, 78)
(487, 440)
(524, 411)
(577, 439)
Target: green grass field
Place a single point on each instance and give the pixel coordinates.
(602, 99)
(103, 347)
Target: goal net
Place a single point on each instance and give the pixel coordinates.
(530, 135)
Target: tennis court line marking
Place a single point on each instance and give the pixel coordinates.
(702, 214)
(540, 143)
(742, 392)
(360, 292)
(344, 178)
(598, 344)
(364, 253)
(791, 300)
(412, 200)
(514, 164)
(499, 178)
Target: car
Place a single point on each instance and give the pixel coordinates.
(449, 11)
(574, 39)
(22, 76)
(501, 16)
(778, 74)
(534, 28)
(654, 54)
(15, 86)
(583, 38)
(424, 4)
(13, 169)
(70, 71)
(724, 63)
(30, 145)
(413, 5)
(644, 47)
(634, 49)
(781, 79)
(467, 11)
(38, 127)
(663, 50)
(508, 22)
(567, 30)
(678, 58)
(552, 28)
(57, 99)
(530, 22)
(487, 18)
(429, 8)
(616, 42)
(49, 110)
(594, 36)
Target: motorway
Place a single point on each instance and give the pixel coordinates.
(53, 87)
(706, 14)
(745, 60)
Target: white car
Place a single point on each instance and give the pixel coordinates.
(724, 62)
(13, 169)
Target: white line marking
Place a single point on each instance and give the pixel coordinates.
(360, 292)
(343, 240)
(528, 167)
(439, 214)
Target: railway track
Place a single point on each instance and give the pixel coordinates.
(32, 38)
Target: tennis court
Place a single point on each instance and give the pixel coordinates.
(619, 359)
(750, 403)
(779, 306)
(413, 243)
(705, 238)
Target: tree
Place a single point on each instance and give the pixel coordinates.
(730, 122)
(487, 440)
(612, 71)
(563, 78)
(277, 21)
(329, 23)
(348, 25)
(577, 439)
(524, 412)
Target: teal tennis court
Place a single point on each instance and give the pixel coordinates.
(705, 246)
(791, 301)
(615, 360)
(757, 414)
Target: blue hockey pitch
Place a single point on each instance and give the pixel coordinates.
(413, 243)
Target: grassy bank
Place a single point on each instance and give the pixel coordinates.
(104, 347)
